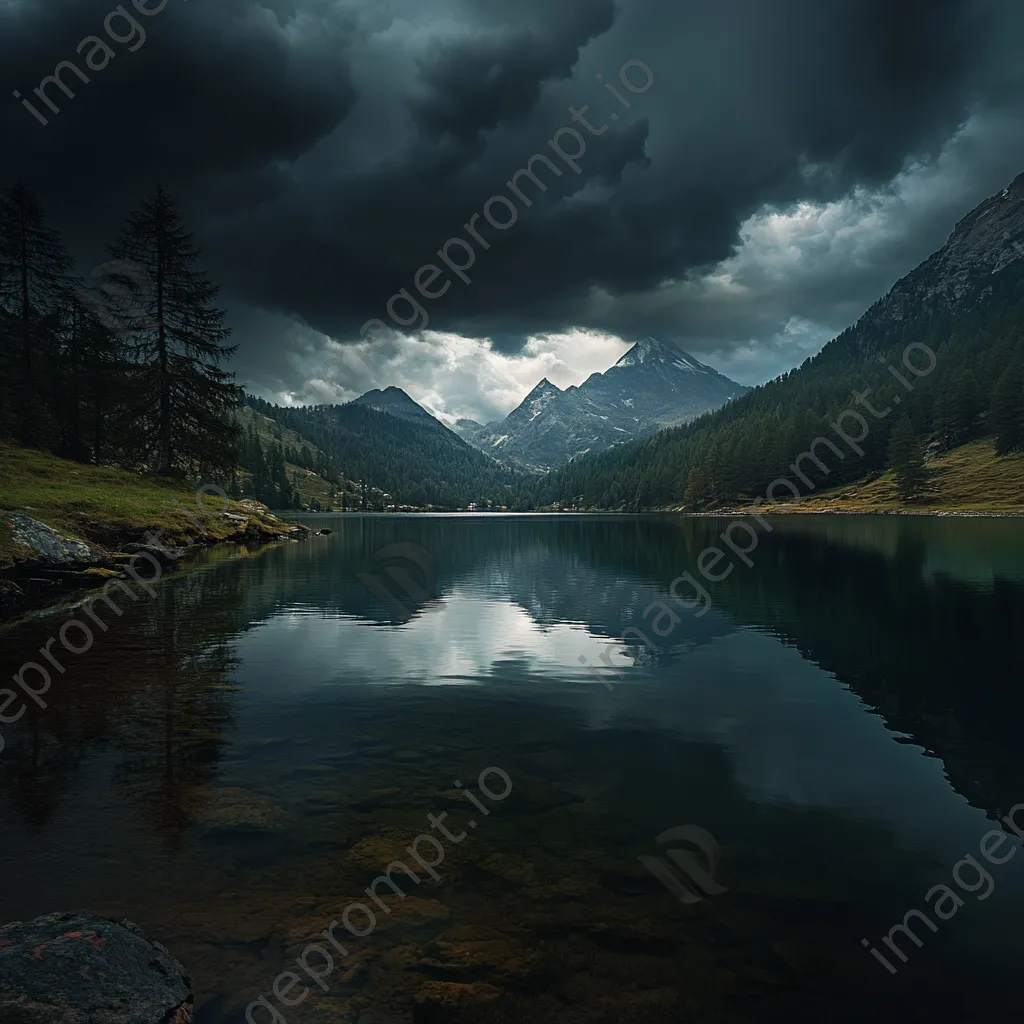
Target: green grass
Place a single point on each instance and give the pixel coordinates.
(106, 506)
(310, 486)
(968, 479)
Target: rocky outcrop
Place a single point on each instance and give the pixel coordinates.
(81, 969)
(48, 548)
(982, 244)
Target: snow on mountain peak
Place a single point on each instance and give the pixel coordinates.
(544, 386)
(650, 350)
(655, 384)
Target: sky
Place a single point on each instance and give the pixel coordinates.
(746, 179)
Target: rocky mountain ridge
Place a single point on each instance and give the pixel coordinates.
(984, 242)
(654, 385)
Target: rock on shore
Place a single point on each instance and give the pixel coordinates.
(49, 564)
(48, 548)
(76, 968)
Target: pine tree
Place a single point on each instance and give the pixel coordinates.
(179, 337)
(33, 282)
(966, 403)
(906, 459)
(111, 430)
(1007, 414)
(70, 381)
(694, 494)
(944, 415)
(8, 348)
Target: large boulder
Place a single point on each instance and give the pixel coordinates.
(81, 969)
(49, 548)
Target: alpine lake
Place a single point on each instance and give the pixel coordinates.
(235, 762)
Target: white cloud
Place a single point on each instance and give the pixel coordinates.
(449, 375)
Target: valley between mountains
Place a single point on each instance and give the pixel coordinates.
(660, 429)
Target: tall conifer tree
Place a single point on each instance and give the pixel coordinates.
(1007, 413)
(907, 459)
(92, 401)
(34, 268)
(179, 337)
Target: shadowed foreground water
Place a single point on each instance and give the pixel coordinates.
(235, 760)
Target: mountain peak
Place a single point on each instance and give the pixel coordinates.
(655, 384)
(649, 350)
(543, 387)
(395, 401)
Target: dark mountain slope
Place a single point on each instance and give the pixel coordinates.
(417, 461)
(396, 402)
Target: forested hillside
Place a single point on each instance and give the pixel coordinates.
(976, 387)
(415, 463)
(284, 470)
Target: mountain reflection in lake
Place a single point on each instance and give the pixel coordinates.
(235, 761)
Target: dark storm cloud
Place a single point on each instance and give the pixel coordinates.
(211, 90)
(488, 79)
(325, 150)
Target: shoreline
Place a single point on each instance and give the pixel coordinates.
(794, 510)
(50, 569)
(781, 510)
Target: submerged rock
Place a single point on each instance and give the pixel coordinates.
(438, 1001)
(99, 573)
(12, 597)
(165, 556)
(81, 969)
(232, 808)
(392, 798)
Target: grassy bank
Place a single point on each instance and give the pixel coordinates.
(968, 480)
(109, 506)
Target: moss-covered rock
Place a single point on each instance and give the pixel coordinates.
(49, 548)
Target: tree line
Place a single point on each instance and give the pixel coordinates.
(125, 367)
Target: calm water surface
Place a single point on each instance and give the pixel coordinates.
(235, 760)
